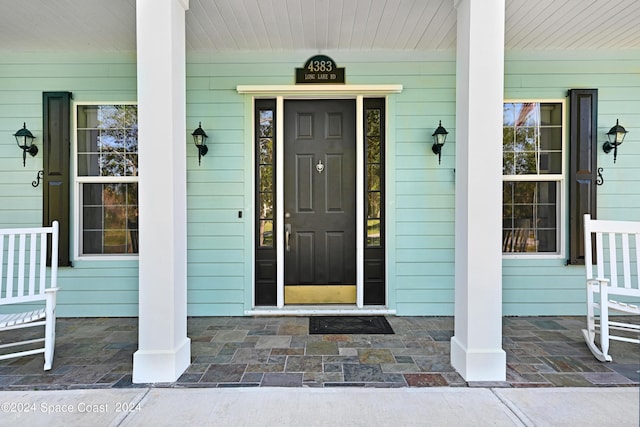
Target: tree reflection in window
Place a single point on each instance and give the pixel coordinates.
(532, 138)
(266, 178)
(532, 171)
(107, 171)
(374, 177)
(107, 138)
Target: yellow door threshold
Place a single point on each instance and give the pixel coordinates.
(320, 294)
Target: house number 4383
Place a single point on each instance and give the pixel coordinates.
(320, 66)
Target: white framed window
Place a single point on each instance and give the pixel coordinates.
(533, 176)
(106, 179)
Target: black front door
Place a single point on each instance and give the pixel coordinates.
(320, 201)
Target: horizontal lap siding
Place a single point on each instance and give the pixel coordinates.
(424, 190)
(108, 288)
(548, 287)
(216, 192)
(421, 193)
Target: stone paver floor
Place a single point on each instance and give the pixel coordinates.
(279, 351)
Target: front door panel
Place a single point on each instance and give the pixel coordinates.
(319, 201)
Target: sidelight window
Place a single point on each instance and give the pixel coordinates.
(266, 177)
(374, 194)
(374, 170)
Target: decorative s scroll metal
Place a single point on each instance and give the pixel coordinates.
(600, 179)
(40, 176)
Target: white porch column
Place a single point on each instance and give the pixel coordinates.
(476, 347)
(164, 350)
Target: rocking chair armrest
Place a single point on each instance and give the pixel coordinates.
(598, 281)
(51, 296)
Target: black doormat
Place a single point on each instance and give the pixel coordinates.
(368, 325)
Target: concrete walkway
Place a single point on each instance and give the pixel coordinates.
(310, 407)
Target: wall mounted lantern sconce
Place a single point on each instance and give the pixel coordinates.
(25, 138)
(616, 135)
(200, 139)
(439, 138)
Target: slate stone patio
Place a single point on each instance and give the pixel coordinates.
(278, 351)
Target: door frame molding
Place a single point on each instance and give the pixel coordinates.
(280, 93)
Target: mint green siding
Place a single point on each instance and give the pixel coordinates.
(539, 286)
(420, 193)
(89, 288)
(216, 192)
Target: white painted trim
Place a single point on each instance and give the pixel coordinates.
(324, 90)
(161, 366)
(279, 200)
(311, 310)
(77, 181)
(560, 178)
(163, 345)
(476, 347)
(357, 92)
(389, 201)
(359, 171)
(250, 202)
(359, 201)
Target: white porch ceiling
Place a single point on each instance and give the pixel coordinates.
(320, 25)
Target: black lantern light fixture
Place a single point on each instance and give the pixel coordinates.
(25, 138)
(616, 135)
(200, 139)
(439, 138)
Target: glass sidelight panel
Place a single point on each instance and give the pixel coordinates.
(265, 203)
(374, 250)
(373, 137)
(266, 177)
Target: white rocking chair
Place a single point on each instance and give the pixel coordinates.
(615, 273)
(24, 280)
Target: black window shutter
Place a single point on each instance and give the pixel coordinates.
(56, 117)
(583, 135)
